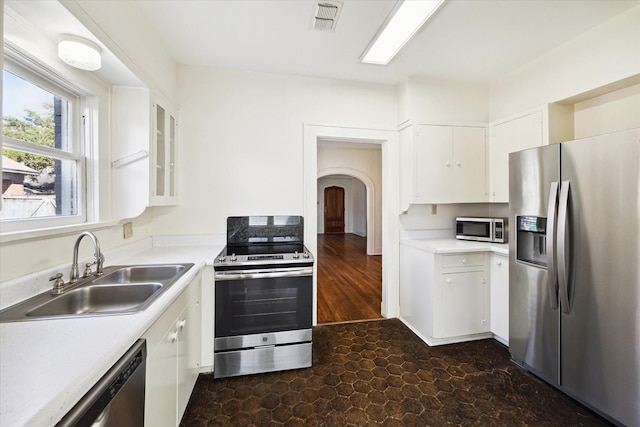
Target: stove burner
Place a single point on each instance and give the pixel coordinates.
(264, 242)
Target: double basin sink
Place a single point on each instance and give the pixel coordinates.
(120, 290)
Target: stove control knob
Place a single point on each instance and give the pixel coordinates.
(305, 254)
(222, 258)
(296, 255)
(233, 258)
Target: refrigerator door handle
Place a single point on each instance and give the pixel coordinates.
(552, 273)
(564, 245)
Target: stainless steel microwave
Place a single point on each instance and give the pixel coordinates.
(482, 229)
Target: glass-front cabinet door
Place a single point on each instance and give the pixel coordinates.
(172, 156)
(163, 191)
(160, 151)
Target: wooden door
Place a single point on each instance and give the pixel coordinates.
(334, 210)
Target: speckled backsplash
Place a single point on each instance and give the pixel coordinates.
(264, 229)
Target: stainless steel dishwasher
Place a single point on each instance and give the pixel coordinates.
(117, 399)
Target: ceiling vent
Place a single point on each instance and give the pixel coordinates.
(325, 15)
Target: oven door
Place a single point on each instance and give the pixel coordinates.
(254, 301)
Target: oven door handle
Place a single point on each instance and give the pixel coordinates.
(263, 274)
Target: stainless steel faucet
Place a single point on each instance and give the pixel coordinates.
(99, 258)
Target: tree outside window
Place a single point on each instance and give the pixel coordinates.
(39, 170)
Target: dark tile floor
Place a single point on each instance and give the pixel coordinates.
(380, 373)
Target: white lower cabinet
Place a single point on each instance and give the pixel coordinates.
(444, 298)
(500, 297)
(461, 309)
(173, 358)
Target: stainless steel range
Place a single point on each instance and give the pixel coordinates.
(263, 297)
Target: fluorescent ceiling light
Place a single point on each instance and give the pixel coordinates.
(80, 53)
(406, 19)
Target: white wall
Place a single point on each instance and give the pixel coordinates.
(615, 111)
(241, 132)
(358, 207)
(437, 101)
(127, 33)
(424, 100)
(422, 217)
(603, 55)
(23, 257)
(241, 141)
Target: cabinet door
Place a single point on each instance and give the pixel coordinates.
(158, 190)
(462, 305)
(500, 297)
(508, 137)
(416, 289)
(189, 325)
(160, 389)
(407, 167)
(171, 164)
(183, 326)
(433, 151)
(469, 165)
(499, 161)
(163, 185)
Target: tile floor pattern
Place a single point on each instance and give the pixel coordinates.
(380, 373)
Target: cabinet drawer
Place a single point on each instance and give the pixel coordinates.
(463, 260)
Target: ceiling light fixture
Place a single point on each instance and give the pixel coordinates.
(80, 53)
(404, 21)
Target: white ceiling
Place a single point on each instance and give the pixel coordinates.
(466, 40)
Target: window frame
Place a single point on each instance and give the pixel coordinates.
(80, 115)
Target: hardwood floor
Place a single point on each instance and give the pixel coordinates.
(349, 280)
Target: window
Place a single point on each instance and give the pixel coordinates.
(43, 164)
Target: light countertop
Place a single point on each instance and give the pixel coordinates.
(46, 366)
(445, 246)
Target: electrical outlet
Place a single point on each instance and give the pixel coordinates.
(434, 209)
(127, 229)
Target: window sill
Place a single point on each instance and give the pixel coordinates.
(24, 235)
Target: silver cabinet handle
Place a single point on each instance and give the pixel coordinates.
(552, 273)
(564, 245)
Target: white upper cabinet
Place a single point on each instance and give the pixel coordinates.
(516, 134)
(163, 184)
(143, 152)
(442, 164)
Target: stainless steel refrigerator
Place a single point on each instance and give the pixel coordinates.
(574, 269)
